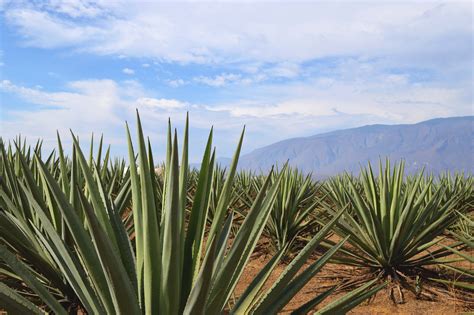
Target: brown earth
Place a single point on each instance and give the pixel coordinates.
(333, 274)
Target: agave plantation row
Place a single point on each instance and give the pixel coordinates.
(85, 233)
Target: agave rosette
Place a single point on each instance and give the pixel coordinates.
(68, 244)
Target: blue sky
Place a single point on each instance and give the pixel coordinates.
(283, 69)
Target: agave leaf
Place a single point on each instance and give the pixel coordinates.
(64, 170)
(150, 233)
(80, 236)
(120, 235)
(352, 299)
(125, 299)
(197, 299)
(226, 193)
(94, 191)
(23, 240)
(275, 292)
(20, 269)
(183, 193)
(170, 260)
(137, 218)
(70, 265)
(195, 232)
(242, 247)
(15, 303)
(298, 282)
(460, 284)
(308, 306)
(250, 295)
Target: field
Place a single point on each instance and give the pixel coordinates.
(86, 233)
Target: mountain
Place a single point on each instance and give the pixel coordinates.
(438, 144)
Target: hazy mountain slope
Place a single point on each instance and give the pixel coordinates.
(439, 144)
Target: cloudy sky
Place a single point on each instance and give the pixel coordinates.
(283, 69)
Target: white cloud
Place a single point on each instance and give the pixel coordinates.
(284, 70)
(297, 109)
(176, 83)
(41, 29)
(75, 8)
(225, 79)
(218, 80)
(86, 106)
(344, 64)
(102, 106)
(250, 32)
(93, 99)
(316, 100)
(396, 79)
(128, 71)
(161, 103)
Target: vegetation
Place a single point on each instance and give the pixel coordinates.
(461, 277)
(396, 225)
(294, 212)
(90, 235)
(99, 236)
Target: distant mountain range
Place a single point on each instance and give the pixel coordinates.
(438, 145)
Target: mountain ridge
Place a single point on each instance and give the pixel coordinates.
(440, 144)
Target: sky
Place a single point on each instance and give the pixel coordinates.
(282, 69)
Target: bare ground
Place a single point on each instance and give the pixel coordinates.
(333, 274)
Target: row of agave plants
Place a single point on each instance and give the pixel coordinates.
(88, 234)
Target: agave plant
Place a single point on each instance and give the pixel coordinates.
(394, 225)
(459, 276)
(240, 202)
(64, 247)
(462, 185)
(293, 214)
(463, 228)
